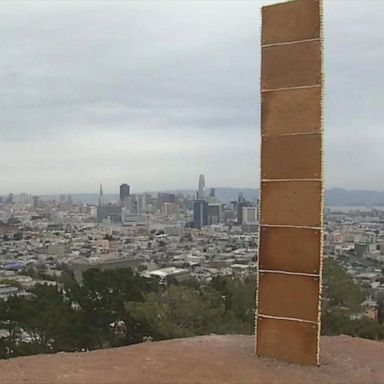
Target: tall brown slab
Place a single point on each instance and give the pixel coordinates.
(287, 340)
(281, 159)
(287, 295)
(277, 60)
(296, 110)
(291, 203)
(290, 249)
(293, 21)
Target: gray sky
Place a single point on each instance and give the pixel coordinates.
(155, 93)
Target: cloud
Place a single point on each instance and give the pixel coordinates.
(155, 93)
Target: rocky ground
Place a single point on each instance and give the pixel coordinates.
(207, 359)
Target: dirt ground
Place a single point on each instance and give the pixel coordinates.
(207, 359)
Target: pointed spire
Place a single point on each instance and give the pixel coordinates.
(101, 195)
(201, 192)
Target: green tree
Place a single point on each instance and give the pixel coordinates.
(339, 290)
(49, 319)
(239, 295)
(101, 301)
(178, 311)
(10, 316)
(342, 298)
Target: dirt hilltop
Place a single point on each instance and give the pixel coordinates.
(205, 359)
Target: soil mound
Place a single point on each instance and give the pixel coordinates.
(206, 359)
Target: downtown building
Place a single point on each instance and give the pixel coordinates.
(200, 206)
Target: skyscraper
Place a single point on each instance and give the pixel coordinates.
(10, 199)
(214, 213)
(241, 203)
(140, 203)
(201, 192)
(109, 212)
(36, 201)
(200, 206)
(24, 198)
(101, 202)
(249, 215)
(200, 213)
(124, 192)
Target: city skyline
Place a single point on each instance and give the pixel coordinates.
(175, 93)
(114, 190)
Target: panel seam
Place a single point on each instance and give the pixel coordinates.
(291, 42)
(290, 226)
(287, 318)
(289, 273)
(284, 180)
(288, 88)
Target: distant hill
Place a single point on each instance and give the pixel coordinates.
(225, 194)
(339, 196)
(228, 194)
(334, 196)
(86, 198)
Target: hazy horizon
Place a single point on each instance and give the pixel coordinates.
(170, 190)
(155, 93)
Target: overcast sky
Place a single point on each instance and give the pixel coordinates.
(155, 93)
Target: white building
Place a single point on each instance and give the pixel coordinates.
(250, 215)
